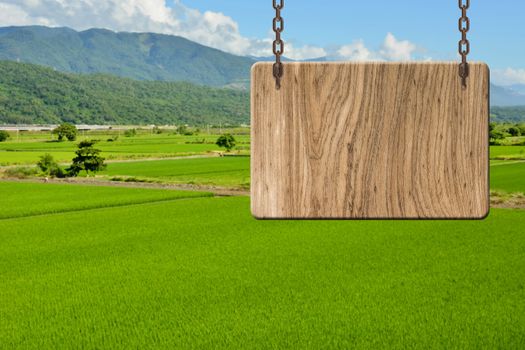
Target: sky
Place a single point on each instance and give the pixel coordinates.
(340, 29)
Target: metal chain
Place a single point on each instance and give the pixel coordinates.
(278, 44)
(464, 43)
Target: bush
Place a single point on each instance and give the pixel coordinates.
(514, 131)
(130, 133)
(48, 166)
(21, 172)
(4, 135)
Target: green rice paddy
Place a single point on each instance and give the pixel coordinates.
(27, 150)
(26, 199)
(120, 268)
(221, 171)
(202, 273)
(508, 177)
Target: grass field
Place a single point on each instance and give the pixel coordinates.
(223, 171)
(510, 152)
(508, 177)
(25, 199)
(120, 268)
(27, 150)
(201, 273)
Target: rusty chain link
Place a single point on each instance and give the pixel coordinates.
(464, 43)
(278, 44)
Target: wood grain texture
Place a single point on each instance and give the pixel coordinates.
(370, 140)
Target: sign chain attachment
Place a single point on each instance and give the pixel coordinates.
(278, 44)
(464, 43)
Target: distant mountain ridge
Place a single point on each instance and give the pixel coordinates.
(140, 56)
(507, 96)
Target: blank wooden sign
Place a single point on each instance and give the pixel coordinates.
(370, 140)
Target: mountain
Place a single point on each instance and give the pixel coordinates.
(508, 114)
(506, 97)
(140, 56)
(519, 88)
(31, 94)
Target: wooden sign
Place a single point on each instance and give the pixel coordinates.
(370, 140)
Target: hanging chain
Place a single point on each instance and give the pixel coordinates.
(464, 43)
(278, 44)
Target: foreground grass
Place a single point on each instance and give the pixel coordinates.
(201, 273)
(224, 171)
(508, 177)
(25, 199)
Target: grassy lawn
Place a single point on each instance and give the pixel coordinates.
(507, 152)
(508, 177)
(201, 273)
(28, 150)
(224, 171)
(25, 199)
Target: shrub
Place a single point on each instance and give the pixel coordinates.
(21, 172)
(514, 131)
(48, 166)
(4, 135)
(130, 133)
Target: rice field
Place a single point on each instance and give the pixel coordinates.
(28, 199)
(121, 268)
(202, 273)
(508, 177)
(507, 152)
(27, 150)
(220, 171)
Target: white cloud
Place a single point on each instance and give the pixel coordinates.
(357, 51)
(209, 28)
(11, 14)
(396, 50)
(304, 52)
(509, 76)
(391, 50)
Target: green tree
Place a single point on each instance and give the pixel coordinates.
(87, 158)
(496, 134)
(522, 128)
(50, 167)
(226, 141)
(514, 131)
(66, 130)
(4, 135)
(182, 130)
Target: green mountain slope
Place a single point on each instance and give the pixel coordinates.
(33, 94)
(141, 56)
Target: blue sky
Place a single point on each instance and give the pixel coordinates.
(497, 33)
(343, 30)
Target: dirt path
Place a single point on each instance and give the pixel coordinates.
(508, 162)
(218, 191)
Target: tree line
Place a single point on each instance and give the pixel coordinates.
(31, 94)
